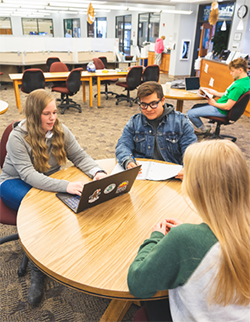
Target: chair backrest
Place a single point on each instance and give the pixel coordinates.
(3, 142)
(58, 67)
(98, 63)
(151, 73)
(134, 77)
(50, 61)
(104, 60)
(73, 82)
(239, 107)
(33, 78)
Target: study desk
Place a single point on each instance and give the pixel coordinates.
(92, 251)
(182, 95)
(53, 77)
(106, 76)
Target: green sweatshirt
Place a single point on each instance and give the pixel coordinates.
(184, 262)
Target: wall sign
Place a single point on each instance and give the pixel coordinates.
(185, 49)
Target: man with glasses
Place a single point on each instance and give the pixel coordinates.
(158, 132)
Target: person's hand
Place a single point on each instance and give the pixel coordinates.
(210, 91)
(180, 175)
(131, 165)
(172, 222)
(211, 101)
(161, 227)
(75, 188)
(99, 175)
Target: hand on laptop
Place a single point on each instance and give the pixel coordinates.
(133, 165)
(75, 188)
(99, 175)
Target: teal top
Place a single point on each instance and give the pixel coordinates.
(234, 91)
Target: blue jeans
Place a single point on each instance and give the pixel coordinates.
(200, 110)
(12, 192)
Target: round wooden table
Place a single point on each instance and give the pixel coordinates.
(3, 107)
(92, 251)
(182, 95)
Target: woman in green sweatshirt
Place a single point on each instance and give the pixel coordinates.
(205, 267)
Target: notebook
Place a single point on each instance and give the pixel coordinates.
(98, 191)
(192, 84)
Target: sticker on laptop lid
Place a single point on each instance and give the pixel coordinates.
(95, 196)
(109, 188)
(122, 187)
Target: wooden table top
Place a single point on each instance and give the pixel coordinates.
(49, 76)
(92, 251)
(182, 94)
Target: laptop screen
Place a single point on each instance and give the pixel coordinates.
(192, 83)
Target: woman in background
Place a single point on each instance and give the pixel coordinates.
(205, 267)
(37, 147)
(159, 47)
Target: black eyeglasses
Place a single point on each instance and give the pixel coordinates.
(153, 104)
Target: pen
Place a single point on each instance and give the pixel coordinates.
(134, 159)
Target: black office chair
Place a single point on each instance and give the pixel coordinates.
(133, 80)
(50, 61)
(7, 215)
(151, 73)
(101, 63)
(32, 79)
(234, 114)
(71, 87)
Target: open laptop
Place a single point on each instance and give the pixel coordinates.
(98, 191)
(192, 84)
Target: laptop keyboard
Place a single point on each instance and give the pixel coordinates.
(72, 202)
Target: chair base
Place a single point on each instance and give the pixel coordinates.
(22, 269)
(106, 94)
(216, 134)
(66, 103)
(9, 238)
(123, 97)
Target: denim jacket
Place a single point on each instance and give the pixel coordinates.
(174, 133)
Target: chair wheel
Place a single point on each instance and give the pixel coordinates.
(116, 103)
(21, 272)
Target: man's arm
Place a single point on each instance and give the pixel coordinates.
(188, 137)
(223, 106)
(125, 145)
(214, 92)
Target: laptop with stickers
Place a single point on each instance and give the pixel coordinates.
(192, 84)
(98, 191)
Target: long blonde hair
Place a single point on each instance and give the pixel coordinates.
(35, 104)
(218, 183)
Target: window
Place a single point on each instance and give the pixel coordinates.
(98, 29)
(5, 26)
(123, 32)
(72, 28)
(34, 26)
(148, 27)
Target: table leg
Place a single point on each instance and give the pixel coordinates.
(90, 92)
(17, 95)
(116, 311)
(98, 92)
(179, 105)
(83, 91)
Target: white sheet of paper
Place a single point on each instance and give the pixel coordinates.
(154, 171)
